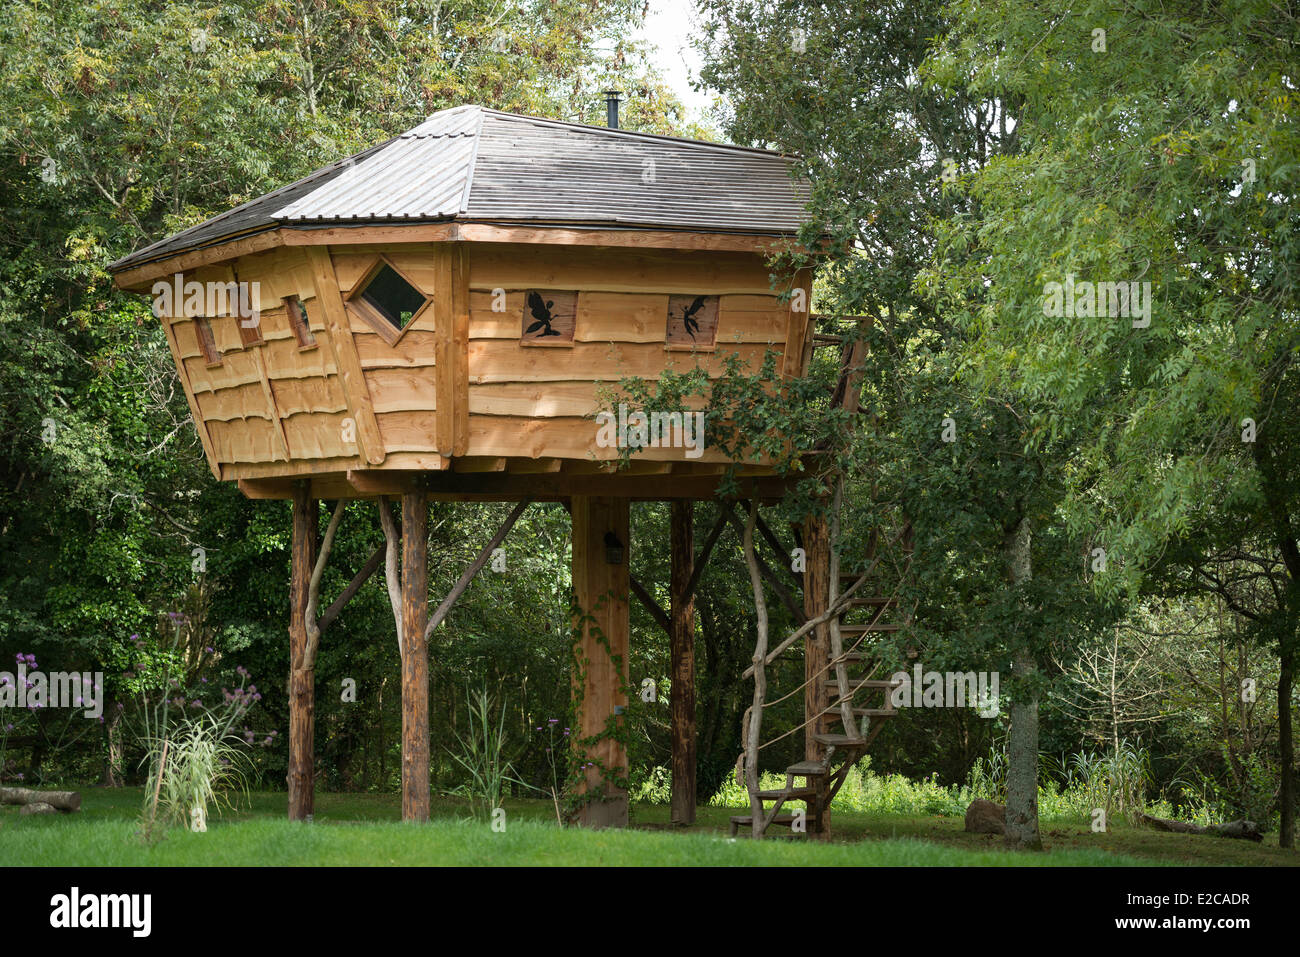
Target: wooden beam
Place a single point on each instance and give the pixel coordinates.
(415, 658)
(138, 278)
(200, 426)
(648, 600)
(479, 463)
(344, 481)
(709, 541)
(601, 656)
(272, 409)
(639, 238)
(534, 466)
(795, 361)
(360, 578)
(302, 680)
(459, 368)
(444, 351)
(360, 408)
(476, 566)
(656, 487)
(817, 643)
(258, 489)
(369, 482)
(369, 234)
(681, 642)
(299, 468)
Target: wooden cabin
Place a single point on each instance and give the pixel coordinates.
(437, 315)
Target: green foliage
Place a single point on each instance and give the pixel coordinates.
(482, 754)
(203, 764)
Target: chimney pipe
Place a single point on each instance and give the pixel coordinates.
(611, 108)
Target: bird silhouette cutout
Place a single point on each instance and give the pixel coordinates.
(541, 311)
(689, 321)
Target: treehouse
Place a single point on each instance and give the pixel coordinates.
(439, 316)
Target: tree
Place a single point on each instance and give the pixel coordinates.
(126, 122)
(1156, 196)
(840, 84)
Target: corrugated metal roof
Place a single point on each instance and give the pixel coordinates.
(476, 164)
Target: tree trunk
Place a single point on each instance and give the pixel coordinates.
(682, 653)
(66, 801)
(1022, 744)
(1286, 743)
(112, 774)
(415, 657)
(817, 656)
(302, 680)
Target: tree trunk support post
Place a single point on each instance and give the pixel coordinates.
(601, 539)
(302, 678)
(415, 657)
(817, 644)
(682, 653)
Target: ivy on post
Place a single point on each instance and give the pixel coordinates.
(601, 643)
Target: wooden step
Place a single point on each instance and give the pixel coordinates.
(834, 712)
(856, 683)
(795, 794)
(808, 769)
(853, 657)
(871, 601)
(747, 820)
(846, 629)
(840, 740)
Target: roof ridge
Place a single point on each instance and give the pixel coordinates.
(638, 134)
(471, 163)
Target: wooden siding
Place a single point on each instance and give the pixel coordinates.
(539, 402)
(271, 401)
(272, 407)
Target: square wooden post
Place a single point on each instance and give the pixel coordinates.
(302, 680)
(681, 641)
(600, 583)
(415, 657)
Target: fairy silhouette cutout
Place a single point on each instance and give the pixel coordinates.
(689, 322)
(541, 310)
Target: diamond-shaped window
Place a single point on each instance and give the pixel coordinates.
(387, 300)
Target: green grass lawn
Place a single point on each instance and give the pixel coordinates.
(362, 829)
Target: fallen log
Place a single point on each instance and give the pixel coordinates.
(1241, 829)
(65, 801)
(39, 808)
